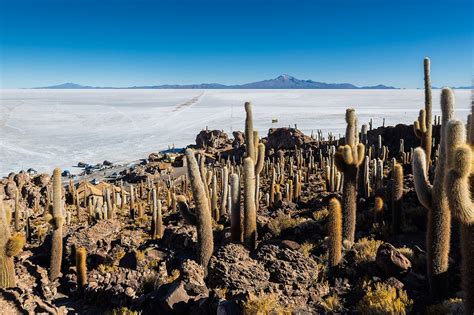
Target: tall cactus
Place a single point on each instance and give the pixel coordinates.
(225, 189)
(397, 198)
(434, 198)
(236, 216)
(205, 239)
(214, 196)
(17, 210)
(249, 143)
(57, 222)
(348, 159)
(81, 266)
(335, 232)
(460, 182)
(156, 218)
(423, 126)
(250, 214)
(10, 246)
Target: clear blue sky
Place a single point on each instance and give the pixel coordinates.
(138, 42)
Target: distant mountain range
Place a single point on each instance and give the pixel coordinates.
(283, 81)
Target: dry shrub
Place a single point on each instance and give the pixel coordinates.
(332, 304)
(282, 222)
(263, 305)
(366, 249)
(382, 298)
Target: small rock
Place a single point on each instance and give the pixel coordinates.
(392, 261)
(394, 282)
(130, 292)
(290, 245)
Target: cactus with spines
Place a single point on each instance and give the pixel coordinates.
(236, 216)
(17, 209)
(57, 221)
(110, 208)
(460, 182)
(81, 267)
(214, 197)
(378, 209)
(423, 126)
(259, 163)
(335, 233)
(348, 159)
(435, 199)
(156, 218)
(250, 214)
(249, 135)
(205, 239)
(397, 198)
(225, 189)
(10, 246)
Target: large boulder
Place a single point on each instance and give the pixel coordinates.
(21, 179)
(288, 267)
(286, 138)
(42, 180)
(215, 139)
(392, 261)
(233, 268)
(239, 138)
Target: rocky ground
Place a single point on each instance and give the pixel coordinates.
(129, 272)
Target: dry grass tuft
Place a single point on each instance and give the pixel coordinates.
(332, 304)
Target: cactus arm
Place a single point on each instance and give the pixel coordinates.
(249, 144)
(188, 216)
(360, 154)
(260, 159)
(422, 185)
(458, 181)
